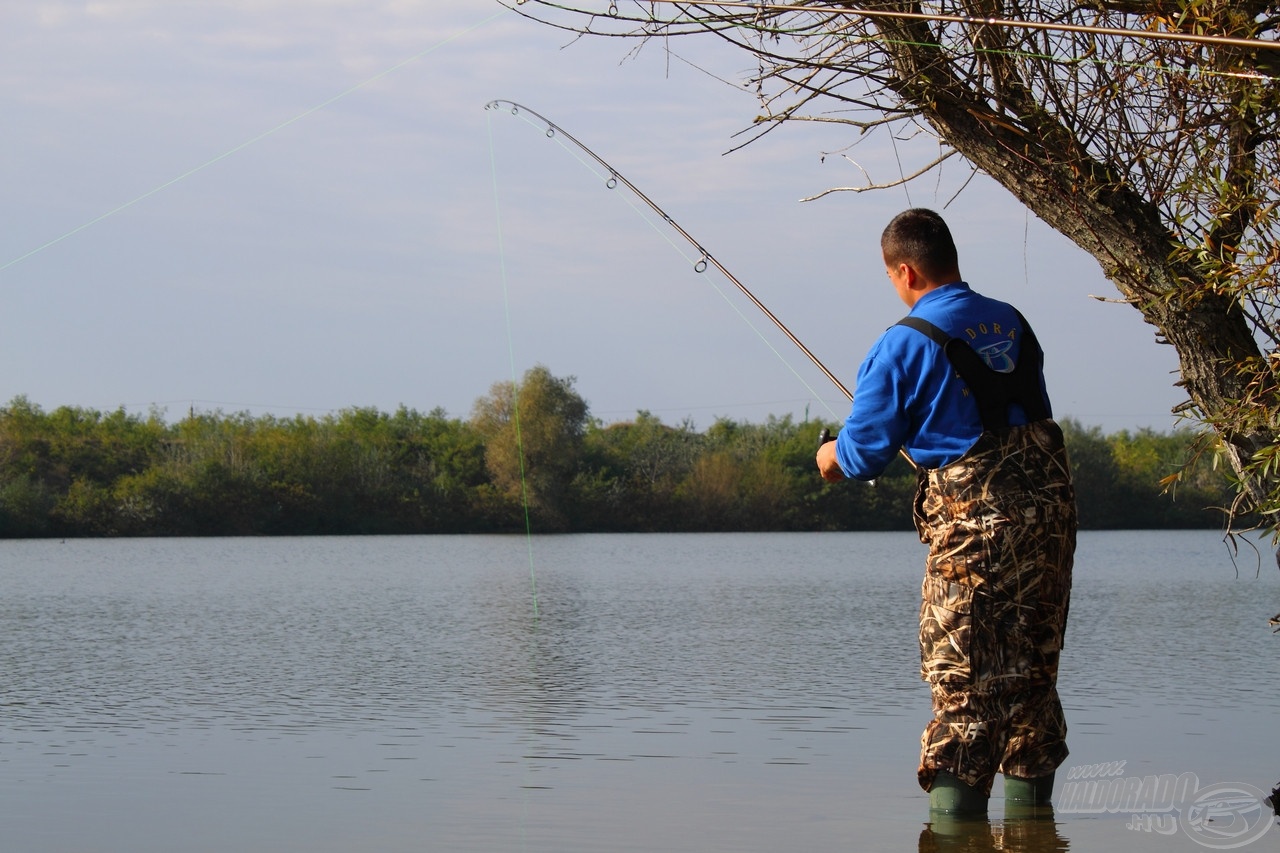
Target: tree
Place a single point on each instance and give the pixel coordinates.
(1144, 460)
(1093, 468)
(533, 438)
(1145, 132)
(443, 462)
(636, 468)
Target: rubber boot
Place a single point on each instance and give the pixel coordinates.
(1030, 792)
(951, 796)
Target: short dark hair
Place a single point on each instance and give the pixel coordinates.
(920, 238)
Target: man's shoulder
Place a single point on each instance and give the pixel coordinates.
(902, 344)
(964, 293)
(963, 302)
(903, 333)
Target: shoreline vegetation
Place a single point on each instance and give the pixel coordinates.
(77, 472)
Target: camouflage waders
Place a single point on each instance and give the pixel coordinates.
(1000, 524)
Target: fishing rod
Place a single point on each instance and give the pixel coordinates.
(705, 258)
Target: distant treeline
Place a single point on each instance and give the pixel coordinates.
(80, 472)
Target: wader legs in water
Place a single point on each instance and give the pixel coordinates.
(1000, 525)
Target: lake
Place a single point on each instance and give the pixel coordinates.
(743, 692)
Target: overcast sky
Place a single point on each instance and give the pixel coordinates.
(298, 206)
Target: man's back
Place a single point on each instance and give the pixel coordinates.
(908, 393)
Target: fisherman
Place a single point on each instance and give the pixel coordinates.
(958, 386)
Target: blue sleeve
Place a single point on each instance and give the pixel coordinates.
(878, 422)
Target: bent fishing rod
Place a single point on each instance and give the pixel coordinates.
(705, 258)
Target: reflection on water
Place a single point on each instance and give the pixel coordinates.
(1034, 831)
(749, 692)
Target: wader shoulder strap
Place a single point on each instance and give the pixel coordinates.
(993, 391)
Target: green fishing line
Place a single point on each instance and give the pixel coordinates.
(515, 386)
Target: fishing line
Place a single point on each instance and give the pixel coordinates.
(705, 259)
(534, 658)
(251, 141)
(511, 356)
(530, 736)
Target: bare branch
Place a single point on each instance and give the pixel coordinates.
(905, 179)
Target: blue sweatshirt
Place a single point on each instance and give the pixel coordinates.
(909, 396)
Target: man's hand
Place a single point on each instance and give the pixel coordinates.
(828, 467)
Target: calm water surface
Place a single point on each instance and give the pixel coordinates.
(603, 693)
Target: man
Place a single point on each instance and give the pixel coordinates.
(958, 386)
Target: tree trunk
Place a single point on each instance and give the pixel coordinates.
(1022, 147)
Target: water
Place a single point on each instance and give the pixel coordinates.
(604, 693)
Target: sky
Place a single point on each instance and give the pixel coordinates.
(300, 206)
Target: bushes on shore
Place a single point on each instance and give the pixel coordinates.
(80, 472)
